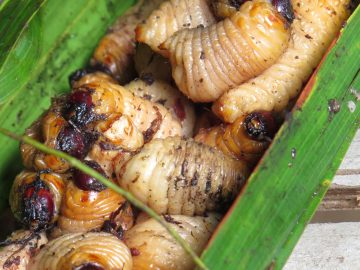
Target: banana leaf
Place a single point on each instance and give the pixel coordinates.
(42, 42)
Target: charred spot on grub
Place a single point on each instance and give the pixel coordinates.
(285, 8)
(79, 108)
(236, 3)
(179, 110)
(89, 266)
(171, 220)
(37, 204)
(75, 142)
(11, 261)
(87, 182)
(260, 125)
(77, 75)
(147, 78)
(102, 67)
(194, 179)
(154, 126)
(114, 226)
(134, 252)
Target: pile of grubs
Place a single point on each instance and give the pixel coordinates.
(177, 105)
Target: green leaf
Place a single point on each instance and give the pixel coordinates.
(266, 221)
(41, 43)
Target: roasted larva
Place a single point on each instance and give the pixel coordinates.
(115, 51)
(155, 248)
(46, 130)
(35, 198)
(208, 61)
(86, 209)
(177, 176)
(154, 120)
(246, 139)
(83, 251)
(17, 250)
(163, 93)
(171, 17)
(315, 26)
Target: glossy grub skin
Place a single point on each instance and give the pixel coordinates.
(163, 93)
(206, 62)
(17, 250)
(35, 198)
(315, 25)
(246, 139)
(155, 248)
(83, 211)
(116, 49)
(45, 130)
(81, 250)
(171, 17)
(148, 117)
(178, 176)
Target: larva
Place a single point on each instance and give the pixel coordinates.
(315, 26)
(117, 137)
(115, 51)
(155, 248)
(179, 176)
(93, 250)
(17, 250)
(46, 130)
(87, 205)
(246, 139)
(163, 93)
(208, 61)
(154, 120)
(171, 17)
(35, 198)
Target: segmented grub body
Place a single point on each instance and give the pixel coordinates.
(178, 176)
(208, 61)
(315, 26)
(86, 210)
(156, 249)
(154, 120)
(163, 93)
(93, 250)
(45, 130)
(116, 49)
(35, 198)
(171, 17)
